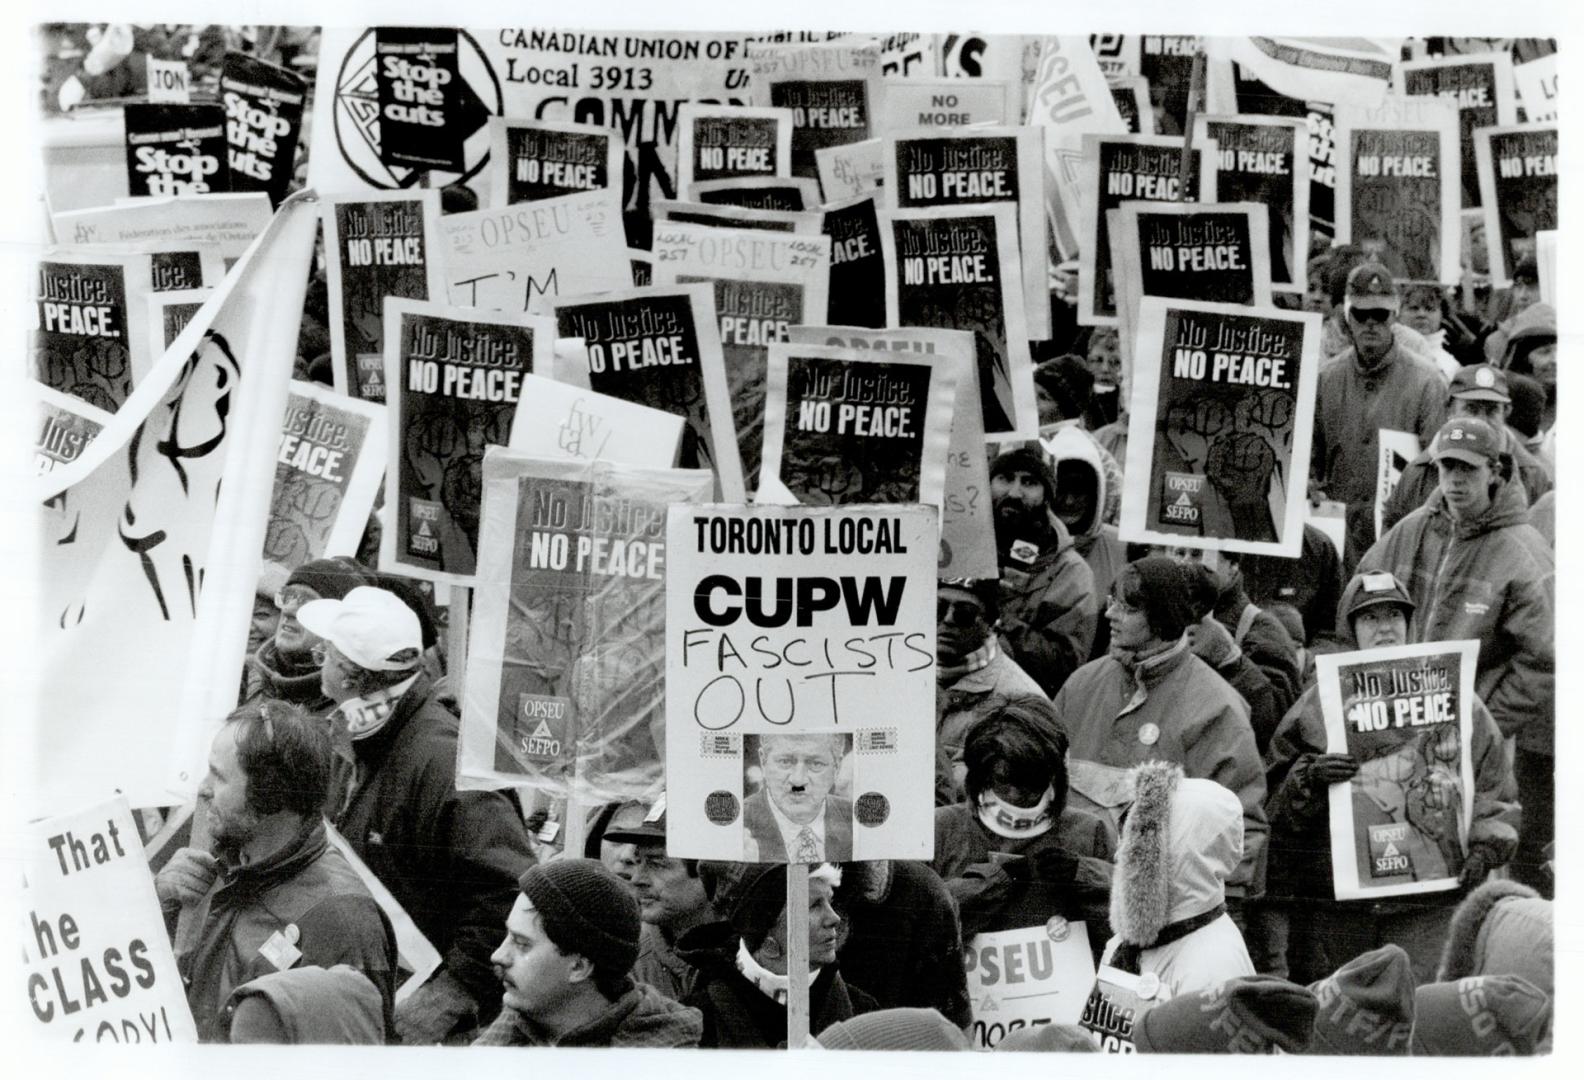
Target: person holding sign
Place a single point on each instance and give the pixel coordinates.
(1477, 570)
(1323, 932)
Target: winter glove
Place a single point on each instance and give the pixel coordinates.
(1317, 772)
(1485, 855)
(185, 879)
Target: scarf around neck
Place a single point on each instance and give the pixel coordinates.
(977, 660)
(368, 714)
(775, 987)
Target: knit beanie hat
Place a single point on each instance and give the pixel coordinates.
(1159, 585)
(586, 910)
(1366, 1005)
(1482, 1016)
(1247, 1015)
(1050, 1039)
(333, 578)
(894, 1029)
(751, 896)
(1032, 459)
(1068, 382)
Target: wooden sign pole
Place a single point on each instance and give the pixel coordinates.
(1195, 92)
(797, 917)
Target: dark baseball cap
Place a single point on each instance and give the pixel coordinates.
(1370, 285)
(1466, 438)
(651, 830)
(1480, 382)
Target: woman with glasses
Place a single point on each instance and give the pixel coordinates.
(284, 666)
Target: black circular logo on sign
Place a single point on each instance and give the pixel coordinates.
(720, 807)
(872, 809)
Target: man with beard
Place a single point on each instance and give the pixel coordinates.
(1048, 604)
(270, 895)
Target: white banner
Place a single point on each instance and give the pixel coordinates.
(1070, 100)
(1028, 977)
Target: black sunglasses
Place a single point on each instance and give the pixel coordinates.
(1370, 315)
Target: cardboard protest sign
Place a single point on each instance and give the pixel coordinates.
(758, 192)
(555, 420)
(1480, 86)
(169, 81)
(1405, 714)
(718, 142)
(264, 114)
(838, 684)
(520, 258)
(1396, 449)
(1265, 159)
(89, 335)
(542, 159)
(642, 264)
(1166, 62)
(1248, 98)
(845, 425)
(1397, 196)
(376, 246)
(1518, 176)
(229, 220)
(660, 346)
(802, 222)
(1028, 977)
(66, 426)
(418, 84)
(456, 377)
(1070, 101)
(850, 170)
(1132, 97)
(907, 54)
(1546, 263)
(327, 475)
(967, 538)
(1116, 1004)
(1116, 54)
(176, 149)
(858, 269)
(1118, 168)
(763, 284)
(914, 102)
(567, 647)
(1536, 82)
(174, 267)
(976, 166)
(1219, 427)
(169, 313)
(956, 267)
(99, 964)
(831, 90)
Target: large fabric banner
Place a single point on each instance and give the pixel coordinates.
(800, 683)
(1518, 176)
(151, 539)
(567, 647)
(1336, 70)
(1071, 101)
(1219, 427)
(1405, 714)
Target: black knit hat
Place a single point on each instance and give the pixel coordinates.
(751, 896)
(1031, 458)
(1159, 585)
(1068, 382)
(586, 910)
(333, 578)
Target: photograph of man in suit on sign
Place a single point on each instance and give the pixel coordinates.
(794, 816)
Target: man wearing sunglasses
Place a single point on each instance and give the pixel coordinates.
(1372, 384)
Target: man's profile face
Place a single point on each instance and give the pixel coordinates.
(534, 973)
(223, 793)
(961, 623)
(799, 771)
(667, 894)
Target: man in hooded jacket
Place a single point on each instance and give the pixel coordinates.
(1088, 500)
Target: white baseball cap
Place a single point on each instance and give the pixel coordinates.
(371, 627)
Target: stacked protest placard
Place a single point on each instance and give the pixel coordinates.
(231, 221)
(542, 159)
(177, 149)
(1069, 100)
(264, 114)
(1405, 714)
(1518, 184)
(557, 420)
(858, 267)
(90, 336)
(1397, 449)
(831, 90)
(1265, 160)
(792, 193)
(721, 142)
(66, 425)
(918, 102)
(1480, 85)
(1027, 977)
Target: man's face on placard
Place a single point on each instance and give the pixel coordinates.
(799, 771)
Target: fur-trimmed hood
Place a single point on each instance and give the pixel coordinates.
(1501, 928)
(1181, 841)
(1071, 445)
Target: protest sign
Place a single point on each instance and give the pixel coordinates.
(174, 267)
(455, 376)
(90, 323)
(845, 425)
(1405, 714)
(541, 159)
(229, 220)
(1265, 159)
(975, 55)
(1396, 450)
(1116, 54)
(418, 85)
(1397, 194)
(376, 245)
(66, 426)
(1536, 82)
(1354, 71)
(556, 420)
(660, 346)
(1025, 978)
(1518, 176)
(567, 649)
(977, 166)
(858, 269)
(763, 283)
(642, 264)
(1116, 1004)
(1187, 251)
(967, 538)
(98, 962)
(1480, 86)
(956, 267)
(802, 222)
(1546, 263)
(800, 639)
(327, 474)
(1132, 97)
(850, 170)
(1166, 62)
(1244, 97)
(176, 149)
(149, 543)
(264, 115)
(1071, 101)
(169, 82)
(519, 258)
(1219, 427)
(909, 54)
(1118, 168)
(169, 313)
(718, 142)
(946, 103)
(831, 90)
(758, 192)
